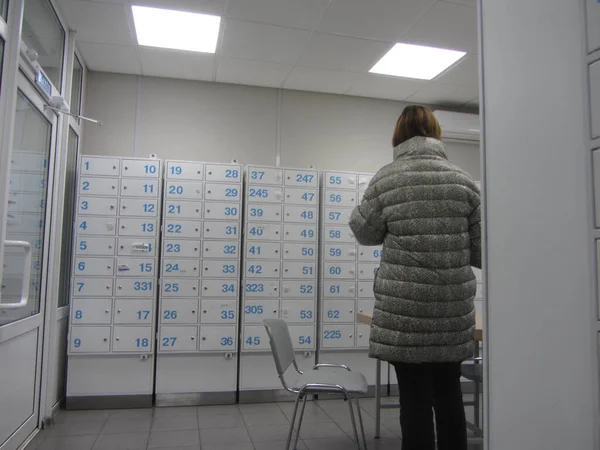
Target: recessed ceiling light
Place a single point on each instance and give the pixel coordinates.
(416, 61)
(177, 30)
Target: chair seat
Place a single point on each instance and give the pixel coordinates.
(353, 382)
(473, 372)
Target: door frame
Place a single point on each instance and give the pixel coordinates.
(50, 370)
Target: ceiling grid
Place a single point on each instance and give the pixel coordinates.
(314, 45)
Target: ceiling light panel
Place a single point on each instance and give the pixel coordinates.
(416, 61)
(176, 30)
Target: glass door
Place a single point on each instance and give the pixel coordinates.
(22, 297)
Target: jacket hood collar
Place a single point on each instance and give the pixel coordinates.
(420, 146)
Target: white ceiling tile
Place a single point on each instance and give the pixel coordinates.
(440, 94)
(321, 80)
(215, 7)
(327, 51)
(254, 73)
(106, 23)
(446, 25)
(288, 13)
(176, 64)
(262, 42)
(110, 58)
(465, 73)
(385, 20)
(381, 86)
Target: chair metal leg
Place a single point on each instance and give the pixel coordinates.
(300, 422)
(353, 422)
(378, 400)
(289, 439)
(362, 427)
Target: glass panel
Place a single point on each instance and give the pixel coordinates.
(4, 9)
(76, 87)
(68, 215)
(26, 208)
(43, 32)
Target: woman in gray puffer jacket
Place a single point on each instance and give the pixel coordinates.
(426, 213)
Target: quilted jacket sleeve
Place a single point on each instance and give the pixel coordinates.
(367, 221)
(475, 235)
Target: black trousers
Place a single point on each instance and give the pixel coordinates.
(425, 388)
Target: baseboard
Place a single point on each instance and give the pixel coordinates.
(109, 402)
(196, 399)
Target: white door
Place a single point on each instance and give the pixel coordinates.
(25, 262)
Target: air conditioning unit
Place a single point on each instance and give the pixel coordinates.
(459, 127)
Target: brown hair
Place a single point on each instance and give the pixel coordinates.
(416, 121)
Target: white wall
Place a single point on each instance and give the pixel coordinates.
(218, 122)
(539, 277)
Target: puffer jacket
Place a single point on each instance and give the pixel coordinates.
(426, 213)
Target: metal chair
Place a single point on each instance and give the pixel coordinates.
(322, 379)
(474, 372)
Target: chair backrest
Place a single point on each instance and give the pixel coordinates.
(281, 344)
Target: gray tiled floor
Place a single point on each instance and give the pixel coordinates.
(326, 426)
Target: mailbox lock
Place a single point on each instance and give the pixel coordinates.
(193, 338)
(228, 356)
(193, 311)
(106, 311)
(203, 338)
(118, 311)
(205, 312)
(350, 335)
(117, 339)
